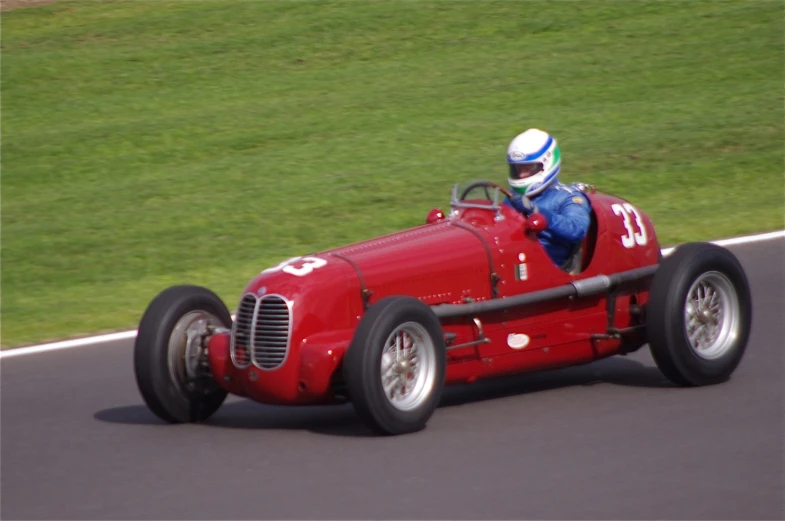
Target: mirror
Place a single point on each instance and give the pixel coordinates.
(434, 215)
(535, 223)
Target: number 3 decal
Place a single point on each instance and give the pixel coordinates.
(309, 264)
(632, 237)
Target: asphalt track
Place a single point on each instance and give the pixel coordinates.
(611, 440)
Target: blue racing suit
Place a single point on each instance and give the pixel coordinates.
(568, 213)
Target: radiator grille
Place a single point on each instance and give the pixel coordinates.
(241, 331)
(261, 331)
(271, 332)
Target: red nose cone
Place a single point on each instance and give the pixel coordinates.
(434, 216)
(536, 223)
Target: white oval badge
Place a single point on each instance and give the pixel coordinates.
(517, 340)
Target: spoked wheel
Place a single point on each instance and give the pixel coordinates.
(408, 367)
(395, 367)
(699, 314)
(712, 315)
(170, 354)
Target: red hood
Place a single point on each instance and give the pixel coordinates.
(434, 262)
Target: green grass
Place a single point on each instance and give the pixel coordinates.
(153, 143)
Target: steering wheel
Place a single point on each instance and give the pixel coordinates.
(485, 185)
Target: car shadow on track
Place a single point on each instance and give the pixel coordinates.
(246, 414)
(615, 370)
(341, 420)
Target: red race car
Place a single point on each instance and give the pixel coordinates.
(386, 323)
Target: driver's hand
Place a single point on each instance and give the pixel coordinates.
(523, 204)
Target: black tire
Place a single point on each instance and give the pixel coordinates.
(667, 327)
(362, 365)
(167, 390)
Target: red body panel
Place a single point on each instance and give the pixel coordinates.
(326, 304)
(473, 254)
(438, 263)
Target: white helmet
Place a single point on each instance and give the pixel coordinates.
(533, 147)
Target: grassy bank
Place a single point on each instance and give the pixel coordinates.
(152, 143)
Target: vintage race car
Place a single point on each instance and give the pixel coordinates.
(386, 323)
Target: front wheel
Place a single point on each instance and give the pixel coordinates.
(170, 357)
(395, 366)
(699, 314)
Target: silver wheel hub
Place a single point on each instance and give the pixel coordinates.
(187, 358)
(711, 315)
(408, 366)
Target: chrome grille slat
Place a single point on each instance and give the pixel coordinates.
(261, 332)
(241, 332)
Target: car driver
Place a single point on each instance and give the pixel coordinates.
(535, 160)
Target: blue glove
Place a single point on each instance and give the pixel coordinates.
(523, 204)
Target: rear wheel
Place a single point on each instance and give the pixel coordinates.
(170, 354)
(699, 314)
(395, 366)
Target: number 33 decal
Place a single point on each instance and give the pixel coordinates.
(633, 236)
(308, 265)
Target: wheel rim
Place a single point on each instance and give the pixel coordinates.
(408, 366)
(187, 358)
(711, 315)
